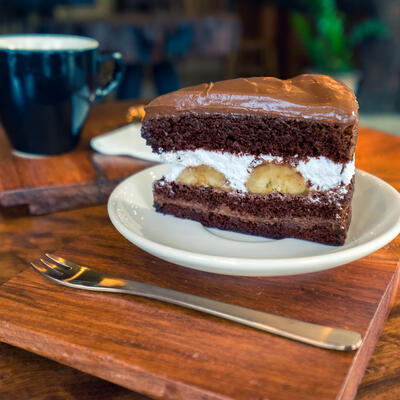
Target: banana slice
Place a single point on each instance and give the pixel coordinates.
(203, 175)
(268, 178)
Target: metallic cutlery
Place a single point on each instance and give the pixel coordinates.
(77, 276)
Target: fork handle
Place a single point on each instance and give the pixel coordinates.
(313, 334)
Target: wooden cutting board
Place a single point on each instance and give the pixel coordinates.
(79, 178)
(168, 352)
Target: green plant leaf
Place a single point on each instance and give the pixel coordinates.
(302, 26)
(323, 35)
(369, 28)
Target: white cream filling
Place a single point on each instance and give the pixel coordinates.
(320, 172)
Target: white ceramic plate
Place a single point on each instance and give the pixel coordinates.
(375, 222)
(124, 141)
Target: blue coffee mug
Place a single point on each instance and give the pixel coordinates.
(47, 85)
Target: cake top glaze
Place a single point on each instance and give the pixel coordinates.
(309, 96)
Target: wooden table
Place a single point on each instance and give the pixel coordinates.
(27, 376)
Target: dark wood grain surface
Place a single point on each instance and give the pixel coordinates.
(76, 179)
(163, 350)
(27, 376)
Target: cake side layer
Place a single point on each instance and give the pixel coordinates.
(324, 231)
(319, 172)
(329, 206)
(249, 134)
(317, 97)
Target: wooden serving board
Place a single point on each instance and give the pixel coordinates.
(168, 352)
(79, 178)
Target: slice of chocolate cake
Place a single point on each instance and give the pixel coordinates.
(260, 156)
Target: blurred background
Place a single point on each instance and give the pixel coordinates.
(168, 44)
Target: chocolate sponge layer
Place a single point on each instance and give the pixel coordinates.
(251, 134)
(274, 215)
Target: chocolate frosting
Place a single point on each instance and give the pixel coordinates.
(309, 96)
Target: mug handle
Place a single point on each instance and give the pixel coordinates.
(100, 92)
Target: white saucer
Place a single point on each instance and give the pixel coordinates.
(375, 222)
(124, 141)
